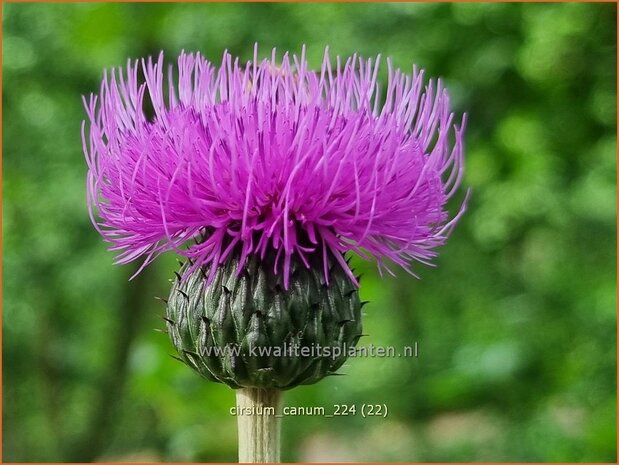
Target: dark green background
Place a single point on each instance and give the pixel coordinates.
(516, 324)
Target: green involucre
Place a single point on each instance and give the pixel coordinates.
(248, 331)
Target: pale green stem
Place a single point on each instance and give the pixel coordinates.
(259, 424)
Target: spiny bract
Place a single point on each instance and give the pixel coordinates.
(248, 331)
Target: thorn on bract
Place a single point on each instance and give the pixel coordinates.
(191, 354)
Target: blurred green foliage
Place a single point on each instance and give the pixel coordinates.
(516, 324)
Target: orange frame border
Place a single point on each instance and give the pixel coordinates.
(304, 1)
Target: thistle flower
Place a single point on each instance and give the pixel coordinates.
(263, 176)
(272, 157)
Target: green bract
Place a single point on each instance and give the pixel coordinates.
(247, 330)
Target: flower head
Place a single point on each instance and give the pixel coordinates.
(271, 157)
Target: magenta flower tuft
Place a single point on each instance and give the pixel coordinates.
(272, 157)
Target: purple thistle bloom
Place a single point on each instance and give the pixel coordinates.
(272, 157)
